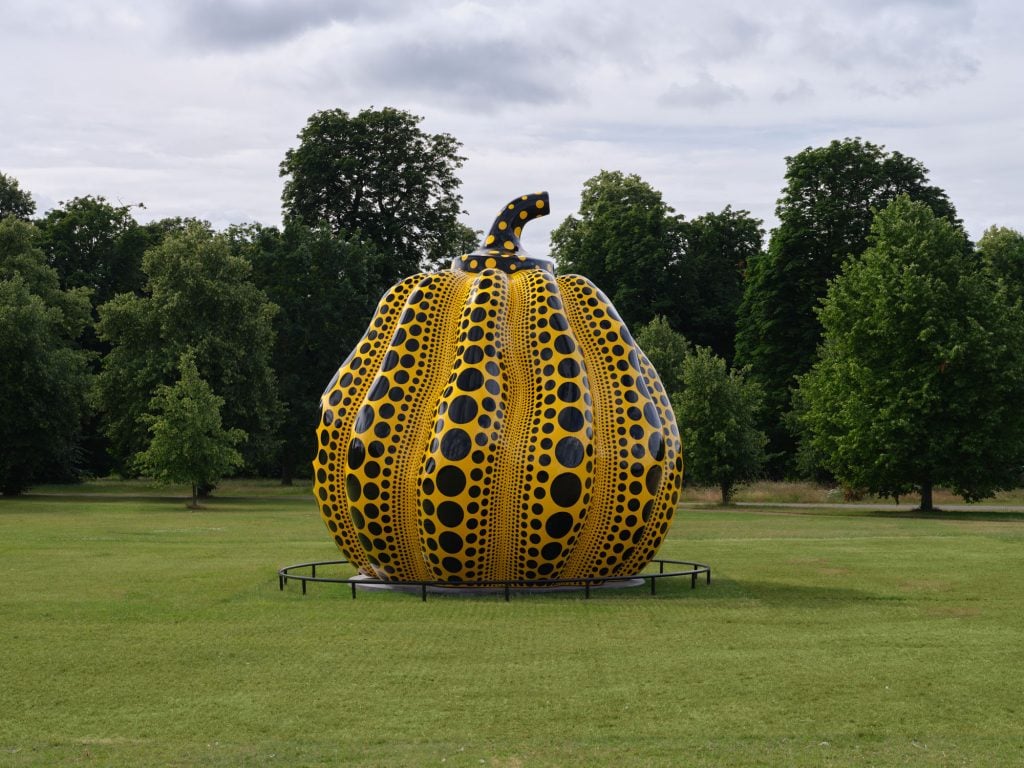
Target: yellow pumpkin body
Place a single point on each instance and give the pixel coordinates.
(497, 423)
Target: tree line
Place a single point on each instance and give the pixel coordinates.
(868, 341)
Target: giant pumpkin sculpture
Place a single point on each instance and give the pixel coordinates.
(496, 423)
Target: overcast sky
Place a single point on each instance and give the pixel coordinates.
(189, 105)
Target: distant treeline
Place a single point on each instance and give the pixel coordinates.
(869, 267)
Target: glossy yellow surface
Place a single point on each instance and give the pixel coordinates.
(497, 423)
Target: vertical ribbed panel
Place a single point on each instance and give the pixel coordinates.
(628, 434)
(393, 426)
(338, 407)
(547, 464)
(458, 479)
(672, 479)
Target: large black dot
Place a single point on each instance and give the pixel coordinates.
(569, 452)
(571, 419)
(653, 479)
(452, 564)
(356, 453)
(569, 392)
(378, 390)
(569, 368)
(450, 542)
(335, 397)
(558, 525)
(352, 488)
(551, 550)
(470, 379)
(462, 410)
(651, 414)
(449, 513)
(451, 481)
(566, 489)
(357, 517)
(565, 344)
(656, 445)
(455, 444)
(364, 419)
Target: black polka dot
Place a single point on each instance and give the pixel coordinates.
(462, 410)
(566, 489)
(656, 446)
(352, 488)
(558, 525)
(335, 397)
(569, 392)
(569, 368)
(357, 517)
(364, 419)
(569, 452)
(551, 550)
(571, 419)
(455, 444)
(451, 481)
(654, 479)
(651, 414)
(356, 453)
(452, 564)
(378, 390)
(565, 344)
(450, 542)
(449, 513)
(470, 380)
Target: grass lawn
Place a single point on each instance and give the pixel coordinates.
(135, 632)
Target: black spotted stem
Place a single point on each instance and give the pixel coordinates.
(501, 248)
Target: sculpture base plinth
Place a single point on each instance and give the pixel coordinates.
(306, 573)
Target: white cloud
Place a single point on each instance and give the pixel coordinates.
(191, 106)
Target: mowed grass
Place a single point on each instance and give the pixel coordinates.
(135, 632)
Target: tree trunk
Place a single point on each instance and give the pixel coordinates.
(286, 473)
(926, 496)
(726, 488)
(195, 497)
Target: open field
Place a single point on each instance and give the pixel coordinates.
(135, 632)
(811, 493)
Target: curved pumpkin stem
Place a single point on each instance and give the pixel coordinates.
(500, 248)
(508, 226)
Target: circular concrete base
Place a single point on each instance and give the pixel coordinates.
(367, 582)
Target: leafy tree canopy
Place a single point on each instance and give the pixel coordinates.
(200, 297)
(327, 288)
(379, 177)
(717, 413)
(45, 376)
(825, 214)
(921, 369)
(623, 240)
(666, 349)
(713, 253)
(1002, 251)
(188, 442)
(14, 201)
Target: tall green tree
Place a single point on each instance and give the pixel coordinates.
(188, 442)
(44, 377)
(14, 201)
(380, 177)
(624, 240)
(96, 245)
(327, 288)
(666, 349)
(921, 369)
(714, 250)
(717, 413)
(825, 214)
(1002, 251)
(198, 296)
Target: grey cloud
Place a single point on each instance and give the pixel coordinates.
(471, 73)
(798, 91)
(704, 91)
(239, 24)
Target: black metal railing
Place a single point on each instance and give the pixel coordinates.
(289, 573)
